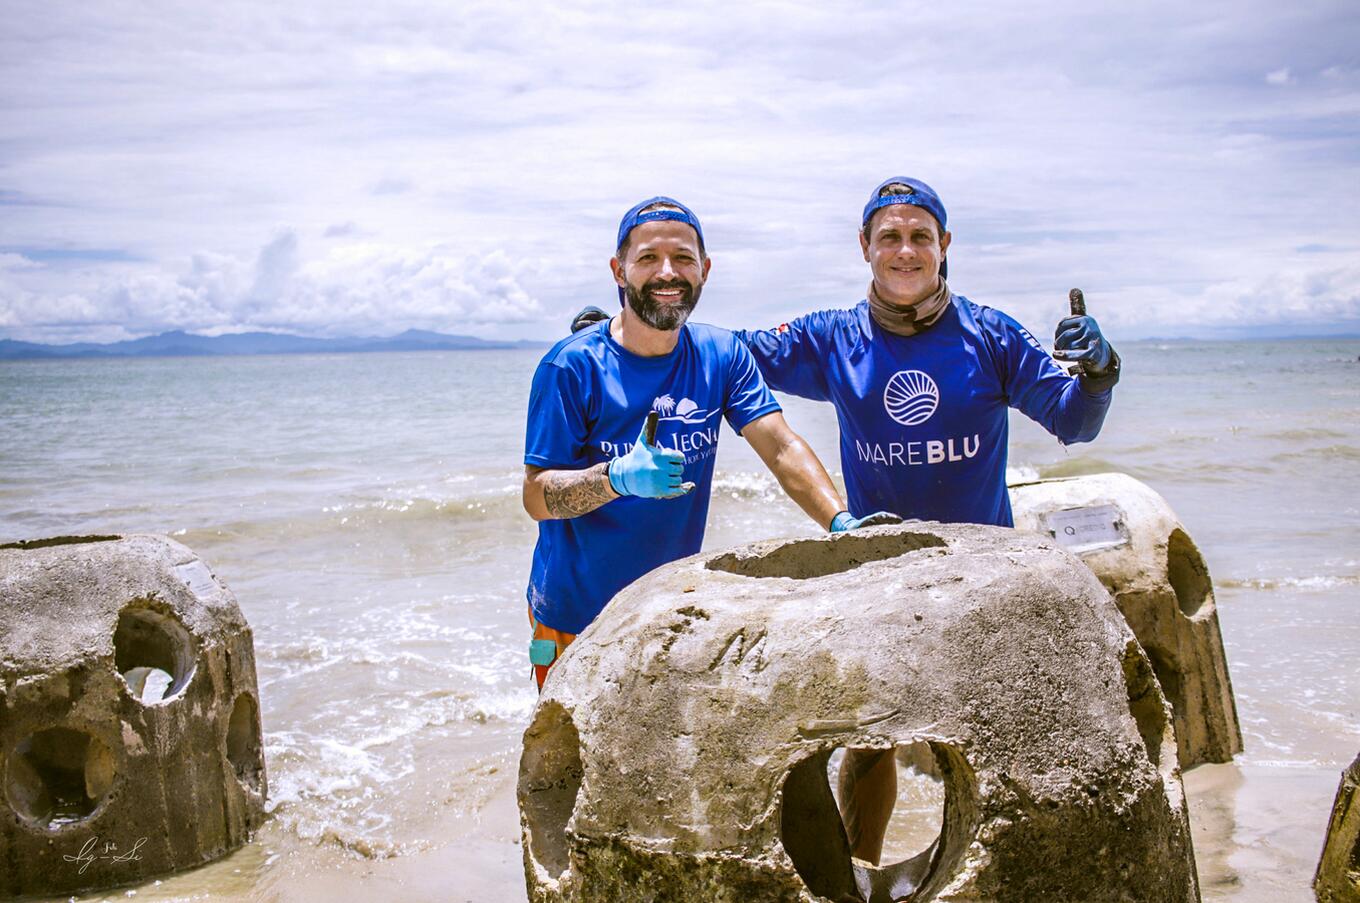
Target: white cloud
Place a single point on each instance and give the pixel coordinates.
(352, 290)
(1122, 147)
(369, 287)
(11, 262)
(1318, 296)
(348, 229)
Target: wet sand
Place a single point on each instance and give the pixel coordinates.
(476, 859)
(1257, 832)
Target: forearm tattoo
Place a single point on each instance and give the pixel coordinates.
(571, 493)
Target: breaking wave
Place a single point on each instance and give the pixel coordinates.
(1318, 583)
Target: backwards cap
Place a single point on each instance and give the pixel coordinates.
(635, 217)
(921, 195)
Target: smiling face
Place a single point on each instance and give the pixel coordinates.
(904, 248)
(662, 272)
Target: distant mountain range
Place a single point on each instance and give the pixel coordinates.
(182, 344)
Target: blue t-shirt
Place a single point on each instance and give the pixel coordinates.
(923, 418)
(589, 400)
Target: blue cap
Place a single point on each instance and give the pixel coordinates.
(634, 218)
(922, 195)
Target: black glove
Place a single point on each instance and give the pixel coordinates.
(588, 316)
(1079, 339)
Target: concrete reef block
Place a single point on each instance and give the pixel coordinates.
(1338, 872)
(679, 750)
(130, 741)
(1129, 536)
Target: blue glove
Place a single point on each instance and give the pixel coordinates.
(649, 471)
(1079, 339)
(845, 521)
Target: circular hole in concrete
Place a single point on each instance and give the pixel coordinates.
(925, 792)
(58, 776)
(550, 775)
(244, 750)
(153, 653)
(1187, 573)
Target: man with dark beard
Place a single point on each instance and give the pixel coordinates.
(612, 507)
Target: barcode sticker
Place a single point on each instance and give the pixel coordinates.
(197, 577)
(1086, 529)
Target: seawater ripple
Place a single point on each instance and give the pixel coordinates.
(368, 520)
(1320, 582)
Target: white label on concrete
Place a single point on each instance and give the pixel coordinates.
(197, 577)
(1086, 529)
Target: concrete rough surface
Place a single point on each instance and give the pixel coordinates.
(130, 741)
(1338, 873)
(679, 749)
(1129, 536)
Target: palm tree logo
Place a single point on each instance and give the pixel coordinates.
(664, 405)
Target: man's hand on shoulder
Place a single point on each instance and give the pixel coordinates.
(587, 317)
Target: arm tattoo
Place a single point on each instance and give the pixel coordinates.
(571, 493)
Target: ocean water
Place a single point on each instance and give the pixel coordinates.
(365, 511)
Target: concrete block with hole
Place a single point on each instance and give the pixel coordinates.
(681, 745)
(130, 738)
(1129, 536)
(1338, 873)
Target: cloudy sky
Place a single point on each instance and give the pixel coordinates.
(334, 168)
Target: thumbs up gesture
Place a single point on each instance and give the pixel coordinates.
(1078, 339)
(648, 470)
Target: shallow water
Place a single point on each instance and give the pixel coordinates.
(365, 511)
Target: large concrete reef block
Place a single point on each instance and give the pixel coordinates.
(1129, 536)
(130, 738)
(1338, 873)
(679, 750)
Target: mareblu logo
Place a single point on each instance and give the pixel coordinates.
(911, 397)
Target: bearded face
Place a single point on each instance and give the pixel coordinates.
(661, 269)
(663, 304)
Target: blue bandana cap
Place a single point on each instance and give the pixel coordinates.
(634, 218)
(922, 195)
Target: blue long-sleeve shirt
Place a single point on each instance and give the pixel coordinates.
(923, 418)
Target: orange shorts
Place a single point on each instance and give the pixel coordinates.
(560, 639)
